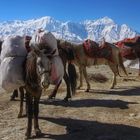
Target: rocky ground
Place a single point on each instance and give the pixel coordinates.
(101, 114)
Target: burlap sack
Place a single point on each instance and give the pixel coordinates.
(44, 40)
(12, 57)
(11, 73)
(13, 46)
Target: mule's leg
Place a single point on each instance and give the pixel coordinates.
(36, 112)
(53, 94)
(86, 78)
(21, 102)
(72, 78)
(113, 81)
(14, 95)
(67, 81)
(81, 77)
(29, 100)
(114, 69)
(139, 66)
(26, 106)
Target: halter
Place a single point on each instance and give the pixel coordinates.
(46, 71)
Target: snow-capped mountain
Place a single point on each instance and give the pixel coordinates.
(72, 31)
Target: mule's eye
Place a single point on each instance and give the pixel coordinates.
(39, 64)
(45, 52)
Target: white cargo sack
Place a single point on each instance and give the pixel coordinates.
(13, 46)
(13, 55)
(11, 73)
(44, 40)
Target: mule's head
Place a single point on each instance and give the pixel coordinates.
(43, 67)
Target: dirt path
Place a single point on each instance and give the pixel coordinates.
(101, 114)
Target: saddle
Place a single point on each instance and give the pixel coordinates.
(106, 51)
(132, 41)
(93, 50)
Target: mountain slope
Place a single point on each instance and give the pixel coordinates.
(72, 31)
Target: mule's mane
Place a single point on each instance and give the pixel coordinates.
(31, 71)
(70, 43)
(1, 45)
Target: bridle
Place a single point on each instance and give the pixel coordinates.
(45, 72)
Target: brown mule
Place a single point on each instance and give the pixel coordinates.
(83, 60)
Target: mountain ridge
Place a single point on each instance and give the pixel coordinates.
(68, 30)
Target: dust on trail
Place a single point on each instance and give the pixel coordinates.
(101, 114)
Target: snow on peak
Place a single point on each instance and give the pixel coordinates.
(72, 31)
(105, 21)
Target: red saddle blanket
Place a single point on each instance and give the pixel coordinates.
(93, 50)
(132, 41)
(126, 51)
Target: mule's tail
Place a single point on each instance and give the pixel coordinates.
(71, 67)
(121, 64)
(72, 77)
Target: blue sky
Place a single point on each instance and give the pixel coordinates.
(121, 11)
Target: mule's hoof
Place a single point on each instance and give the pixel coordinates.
(27, 136)
(66, 99)
(19, 116)
(87, 90)
(112, 87)
(50, 98)
(12, 99)
(22, 116)
(79, 87)
(38, 132)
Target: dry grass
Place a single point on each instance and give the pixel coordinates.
(101, 114)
